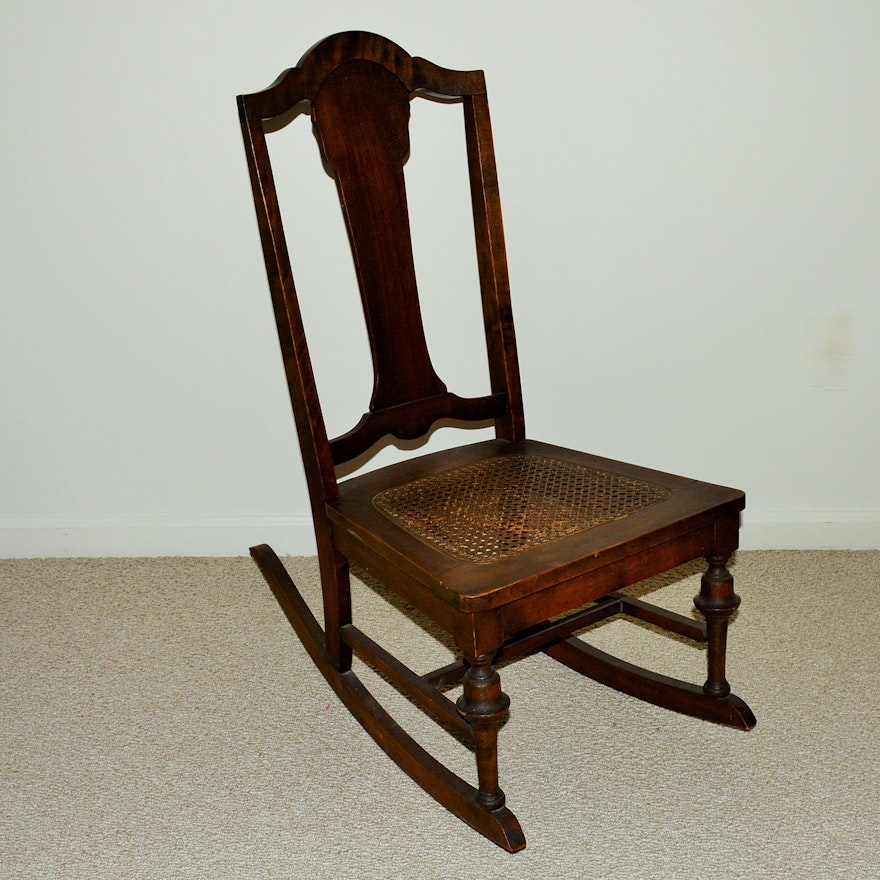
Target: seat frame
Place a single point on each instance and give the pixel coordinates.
(495, 612)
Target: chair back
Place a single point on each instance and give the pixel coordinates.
(357, 87)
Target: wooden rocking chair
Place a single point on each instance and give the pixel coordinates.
(496, 541)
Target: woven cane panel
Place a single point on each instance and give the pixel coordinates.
(498, 508)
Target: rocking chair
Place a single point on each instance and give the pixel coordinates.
(509, 545)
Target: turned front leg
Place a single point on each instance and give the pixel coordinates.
(484, 705)
(717, 602)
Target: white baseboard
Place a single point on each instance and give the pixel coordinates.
(293, 535)
(156, 536)
(810, 530)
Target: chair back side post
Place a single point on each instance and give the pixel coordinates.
(308, 417)
(492, 264)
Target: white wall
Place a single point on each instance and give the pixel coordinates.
(693, 217)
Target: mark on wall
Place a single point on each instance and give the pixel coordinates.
(832, 352)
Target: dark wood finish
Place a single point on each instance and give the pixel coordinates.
(357, 88)
(420, 690)
(661, 690)
(499, 825)
(716, 602)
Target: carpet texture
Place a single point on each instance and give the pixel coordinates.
(160, 720)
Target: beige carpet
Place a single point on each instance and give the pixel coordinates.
(160, 720)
